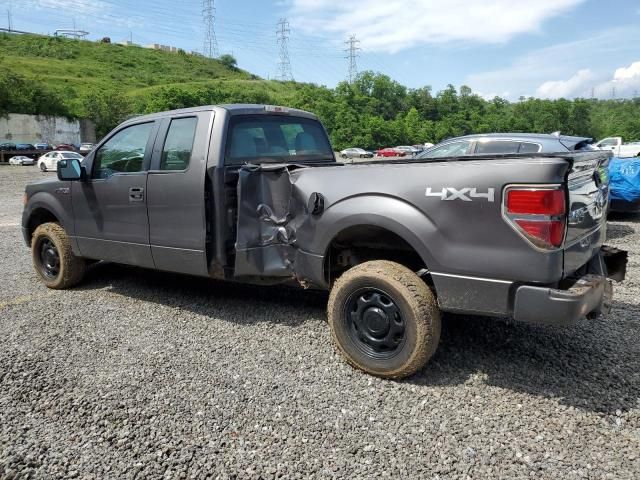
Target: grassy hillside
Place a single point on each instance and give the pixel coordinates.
(84, 65)
(75, 76)
(108, 82)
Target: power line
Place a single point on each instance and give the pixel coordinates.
(352, 51)
(282, 39)
(208, 17)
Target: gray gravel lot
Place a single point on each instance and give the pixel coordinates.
(137, 374)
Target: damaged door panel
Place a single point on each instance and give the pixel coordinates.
(266, 239)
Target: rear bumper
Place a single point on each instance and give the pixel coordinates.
(589, 296)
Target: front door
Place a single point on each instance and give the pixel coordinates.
(110, 208)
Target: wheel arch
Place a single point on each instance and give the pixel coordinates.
(44, 207)
(394, 225)
(38, 216)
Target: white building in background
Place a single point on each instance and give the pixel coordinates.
(165, 48)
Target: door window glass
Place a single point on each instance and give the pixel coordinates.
(526, 147)
(499, 147)
(179, 144)
(124, 152)
(453, 149)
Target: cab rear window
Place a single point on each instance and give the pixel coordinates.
(277, 139)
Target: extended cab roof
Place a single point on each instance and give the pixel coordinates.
(231, 108)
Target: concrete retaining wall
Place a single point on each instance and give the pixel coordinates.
(19, 128)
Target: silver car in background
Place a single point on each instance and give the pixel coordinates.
(506, 143)
(355, 153)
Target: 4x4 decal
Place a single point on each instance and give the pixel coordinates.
(466, 194)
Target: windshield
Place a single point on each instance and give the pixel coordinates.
(71, 155)
(276, 138)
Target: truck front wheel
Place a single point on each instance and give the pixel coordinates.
(53, 258)
(384, 319)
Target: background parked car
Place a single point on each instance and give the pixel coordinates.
(67, 147)
(43, 146)
(355, 153)
(407, 150)
(7, 146)
(618, 147)
(389, 152)
(506, 143)
(49, 161)
(25, 146)
(21, 160)
(85, 148)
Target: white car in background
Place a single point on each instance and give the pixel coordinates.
(49, 161)
(21, 160)
(618, 147)
(86, 148)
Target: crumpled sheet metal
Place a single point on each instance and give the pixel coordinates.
(268, 217)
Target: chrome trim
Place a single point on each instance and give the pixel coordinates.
(468, 277)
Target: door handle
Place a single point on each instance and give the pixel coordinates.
(136, 194)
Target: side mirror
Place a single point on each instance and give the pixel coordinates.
(70, 169)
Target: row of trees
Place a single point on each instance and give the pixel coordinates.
(374, 111)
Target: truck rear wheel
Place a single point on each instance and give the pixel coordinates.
(53, 258)
(384, 319)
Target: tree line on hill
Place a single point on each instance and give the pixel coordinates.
(374, 111)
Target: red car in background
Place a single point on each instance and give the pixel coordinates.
(66, 146)
(389, 152)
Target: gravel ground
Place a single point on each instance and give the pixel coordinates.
(151, 375)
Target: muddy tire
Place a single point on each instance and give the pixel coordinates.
(53, 258)
(384, 319)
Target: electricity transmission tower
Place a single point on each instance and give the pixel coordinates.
(282, 38)
(352, 52)
(208, 17)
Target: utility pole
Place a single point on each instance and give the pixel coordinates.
(208, 17)
(282, 39)
(9, 17)
(352, 54)
(593, 93)
(613, 92)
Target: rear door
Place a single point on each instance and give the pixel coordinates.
(588, 185)
(176, 194)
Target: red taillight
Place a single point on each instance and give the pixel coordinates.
(536, 202)
(538, 213)
(551, 232)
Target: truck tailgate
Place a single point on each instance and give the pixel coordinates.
(588, 188)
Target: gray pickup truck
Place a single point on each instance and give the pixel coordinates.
(253, 193)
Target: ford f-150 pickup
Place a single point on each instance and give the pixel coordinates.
(253, 193)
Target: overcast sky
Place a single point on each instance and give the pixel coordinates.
(543, 48)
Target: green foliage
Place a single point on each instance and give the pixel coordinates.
(109, 82)
(20, 95)
(228, 61)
